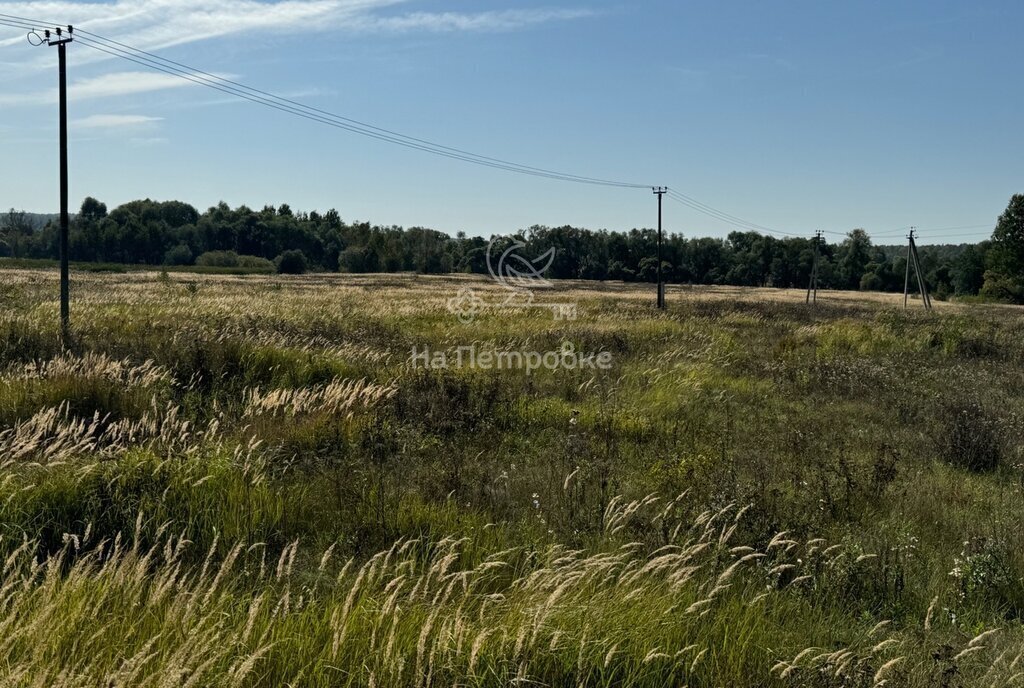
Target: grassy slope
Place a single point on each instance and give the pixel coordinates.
(218, 428)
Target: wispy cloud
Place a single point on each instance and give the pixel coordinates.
(113, 121)
(497, 20)
(156, 24)
(124, 83)
(104, 86)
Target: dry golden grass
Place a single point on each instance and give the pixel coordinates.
(242, 480)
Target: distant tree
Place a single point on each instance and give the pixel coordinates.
(292, 262)
(15, 231)
(1006, 257)
(92, 210)
(179, 255)
(648, 269)
(708, 260)
(153, 232)
(618, 271)
(1008, 239)
(853, 257)
(969, 270)
(474, 257)
(871, 281)
(177, 214)
(1000, 287)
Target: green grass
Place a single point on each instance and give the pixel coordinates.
(755, 493)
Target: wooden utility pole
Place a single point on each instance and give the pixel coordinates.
(906, 277)
(60, 39)
(915, 260)
(812, 285)
(921, 284)
(660, 191)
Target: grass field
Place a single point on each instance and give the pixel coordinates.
(243, 480)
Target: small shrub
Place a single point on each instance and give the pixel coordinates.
(255, 263)
(230, 259)
(985, 577)
(291, 263)
(969, 437)
(999, 287)
(218, 259)
(179, 255)
(976, 347)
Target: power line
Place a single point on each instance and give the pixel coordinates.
(900, 232)
(731, 219)
(180, 70)
(354, 122)
(722, 216)
(19, 25)
(289, 106)
(988, 225)
(951, 241)
(339, 123)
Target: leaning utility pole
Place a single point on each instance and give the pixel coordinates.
(60, 39)
(812, 285)
(660, 191)
(913, 258)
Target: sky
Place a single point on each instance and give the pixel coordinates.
(796, 115)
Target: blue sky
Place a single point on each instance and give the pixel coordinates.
(795, 115)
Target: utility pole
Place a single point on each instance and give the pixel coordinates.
(660, 191)
(913, 258)
(812, 285)
(920, 275)
(59, 39)
(906, 278)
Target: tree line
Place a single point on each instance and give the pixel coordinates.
(175, 233)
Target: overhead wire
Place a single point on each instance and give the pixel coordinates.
(722, 216)
(153, 61)
(257, 96)
(355, 122)
(988, 225)
(234, 88)
(339, 123)
(14, 24)
(260, 97)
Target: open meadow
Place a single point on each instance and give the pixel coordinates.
(250, 480)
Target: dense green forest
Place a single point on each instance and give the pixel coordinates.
(175, 233)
